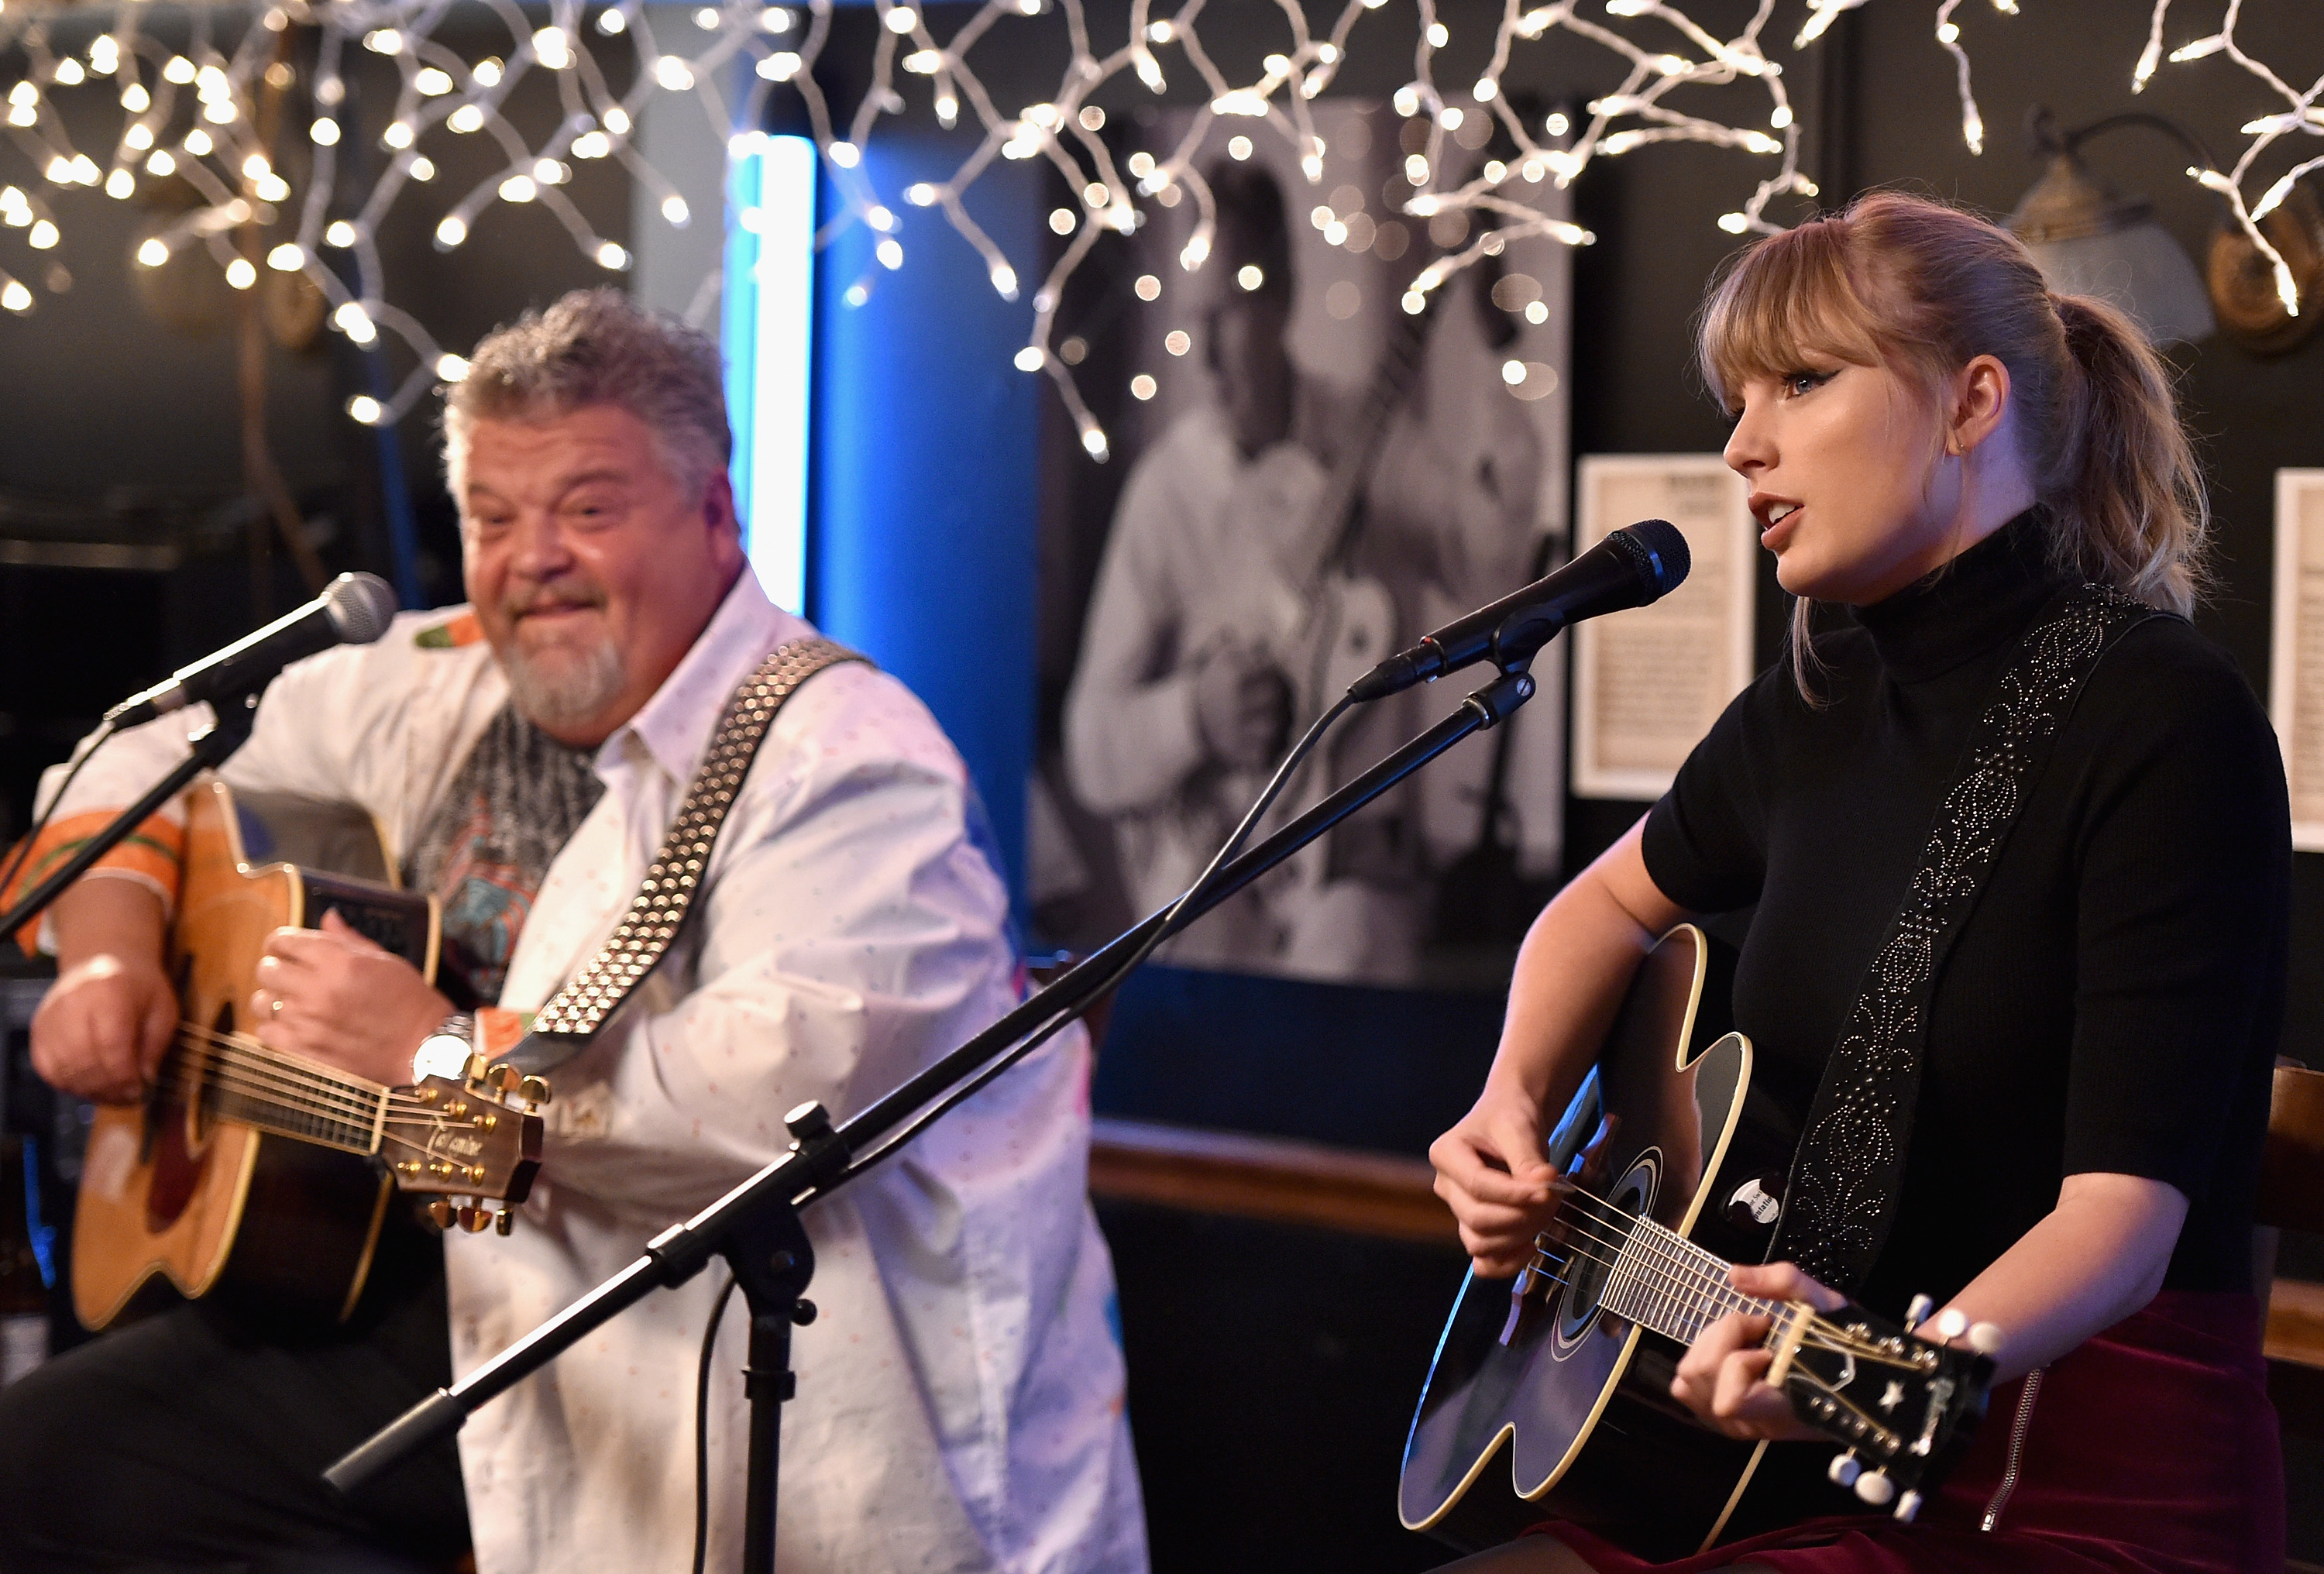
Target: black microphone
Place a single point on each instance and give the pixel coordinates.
(353, 610)
(1633, 566)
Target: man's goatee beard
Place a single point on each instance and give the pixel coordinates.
(566, 689)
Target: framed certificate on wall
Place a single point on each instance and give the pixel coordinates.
(2295, 682)
(1648, 683)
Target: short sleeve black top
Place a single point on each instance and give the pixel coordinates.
(2112, 1004)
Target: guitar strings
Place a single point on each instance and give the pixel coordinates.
(1675, 1270)
(248, 1070)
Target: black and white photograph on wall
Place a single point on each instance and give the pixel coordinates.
(1305, 476)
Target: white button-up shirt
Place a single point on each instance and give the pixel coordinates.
(960, 1398)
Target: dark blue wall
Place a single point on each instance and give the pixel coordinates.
(926, 453)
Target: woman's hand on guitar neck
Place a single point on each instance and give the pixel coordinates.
(1723, 1378)
(338, 997)
(106, 1023)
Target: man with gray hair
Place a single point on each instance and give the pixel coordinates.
(960, 1398)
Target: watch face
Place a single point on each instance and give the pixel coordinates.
(441, 1054)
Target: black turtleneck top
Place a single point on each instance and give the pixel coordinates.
(2112, 1004)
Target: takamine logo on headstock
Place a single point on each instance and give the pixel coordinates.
(1902, 1403)
(469, 1143)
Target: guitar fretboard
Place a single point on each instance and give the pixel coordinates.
(240, 1080)
(1664, 1281)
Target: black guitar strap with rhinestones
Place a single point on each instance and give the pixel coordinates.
(1849, 1168)
(563, 1027)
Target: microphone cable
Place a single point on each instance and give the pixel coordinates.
(23, 849)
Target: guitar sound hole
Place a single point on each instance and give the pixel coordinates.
(1596, 1237)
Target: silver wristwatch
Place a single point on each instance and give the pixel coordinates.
(446, 1051)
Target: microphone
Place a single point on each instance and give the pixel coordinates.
(353, 610)
(1638, 564)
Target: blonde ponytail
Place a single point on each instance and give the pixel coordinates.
(2125, 485)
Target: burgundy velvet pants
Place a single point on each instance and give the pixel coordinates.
(2150, 1450)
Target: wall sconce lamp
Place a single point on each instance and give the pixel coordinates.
(2089, 240)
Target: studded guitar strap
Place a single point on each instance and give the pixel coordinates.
(1841, 1196)
(563, 1027)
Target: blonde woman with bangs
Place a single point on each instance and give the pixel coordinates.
(1939, 453)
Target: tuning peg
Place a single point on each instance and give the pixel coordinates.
(1952, 1323)
(1907, 1506)
(503, 1222)
(475, 1220)
(1918, 1311)
(1875, 1488)
(1984, 1337)
(533, 1090)
(1845, 1469)
(441, 1213)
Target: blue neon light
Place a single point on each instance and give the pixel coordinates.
(767, 333)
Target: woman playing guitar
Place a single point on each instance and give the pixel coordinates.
(2063, 1138)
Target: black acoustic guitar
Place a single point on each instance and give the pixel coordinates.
(1549, 1396)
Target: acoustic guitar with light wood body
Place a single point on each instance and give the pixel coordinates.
(266, 1175)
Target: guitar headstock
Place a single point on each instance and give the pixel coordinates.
(1905, 1406)
(467, 1144)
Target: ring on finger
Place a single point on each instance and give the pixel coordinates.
(274, 1006)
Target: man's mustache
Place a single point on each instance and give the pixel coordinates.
(552, 601)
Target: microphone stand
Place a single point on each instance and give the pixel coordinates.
(228, 732)
(756, 1227)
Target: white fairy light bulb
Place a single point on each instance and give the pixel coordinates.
(431, 81)
(220, 112)
(397, 135)
(846, 154)
(178, 69)
(467, 118)
(16, 298)
(353, 321)
(1143, 387)
(451, 232)
(59, 170)
(136, 99)
(422, 167)
(68, 73)
(1439, 35)
(286, 258)
(384, 41)
(552, 48)
(902, 19)
(674, 209)
(707, 18)
(339, 234)
(1250, 277)
(366, 410)
(1734, 223)
(487, 72)
(1093, 441)
(324, 133)
(120, 185)
(890, 253)
(592, 145)
(519, 188)
(611, 21)
(139, 136)
(1004, 281)
(154, 253)
(162, 165)
(451, 368)
(240, 274)
(610, 255)
(43, 236)
(779, 66)
(673, 73)
(1031, 358)
(198, 143)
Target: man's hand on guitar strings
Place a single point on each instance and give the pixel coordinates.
(1723, 1378)
(1491, 1171)
(102, 1029)
(339, 997)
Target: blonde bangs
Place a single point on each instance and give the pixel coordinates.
(1787, 298)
